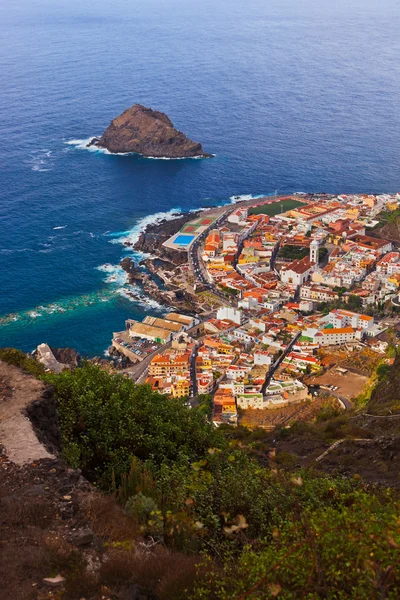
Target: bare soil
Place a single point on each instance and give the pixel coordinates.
(349, 385)
(16, 432)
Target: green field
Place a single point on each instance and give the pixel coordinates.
(275, 208)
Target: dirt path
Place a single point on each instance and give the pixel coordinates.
(16, 433)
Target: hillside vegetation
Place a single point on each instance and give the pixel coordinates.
(224, 508)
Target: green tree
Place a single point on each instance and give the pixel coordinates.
(106, 420)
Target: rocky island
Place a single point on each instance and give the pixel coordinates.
(147, 132)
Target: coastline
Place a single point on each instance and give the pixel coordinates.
(165, 262)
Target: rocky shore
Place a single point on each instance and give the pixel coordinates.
(168, 297)
(152, 239)
(147, 132)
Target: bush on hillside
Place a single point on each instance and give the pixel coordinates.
(15, 357)
(106, 420)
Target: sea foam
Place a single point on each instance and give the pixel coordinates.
(40, 160)
(84, 145)
(132, 235)
(115, 274)
(243, 197)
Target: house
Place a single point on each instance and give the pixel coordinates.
(317, 293)
(389, 264)
(251, 400)
(169, 363)
(303, 362)
(336, 336)
(224, 407)
(205, 383)
(343, 318)
(237, 372)
(238, 217)
(262, 358)
(230, 314)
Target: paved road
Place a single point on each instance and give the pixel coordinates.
(196, 263)
(279, 361)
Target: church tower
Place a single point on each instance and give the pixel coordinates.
(314, 248)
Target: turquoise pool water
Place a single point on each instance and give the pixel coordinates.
(184, 240)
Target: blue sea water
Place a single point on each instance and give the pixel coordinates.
(289, 95)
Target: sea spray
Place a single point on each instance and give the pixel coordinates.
(84, 144)
(244, 197)
(132, 235)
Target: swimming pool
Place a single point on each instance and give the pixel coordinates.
(184, 240)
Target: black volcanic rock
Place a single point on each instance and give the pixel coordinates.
(147, 132)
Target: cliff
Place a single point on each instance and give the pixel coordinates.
(147, 132)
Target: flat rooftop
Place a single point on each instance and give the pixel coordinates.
(162, 324)
(177, 318)
(140, 329)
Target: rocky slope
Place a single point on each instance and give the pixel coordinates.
(390, 231)
(147, 132)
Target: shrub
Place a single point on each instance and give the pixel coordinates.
(106, 420)
(20, 359)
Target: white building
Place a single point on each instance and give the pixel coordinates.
(235, 372)
(262, 358)
(228, 313)
(345, 318)
(238, 217)
(246, 401)
(336, 336)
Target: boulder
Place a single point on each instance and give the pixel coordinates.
(53, 582)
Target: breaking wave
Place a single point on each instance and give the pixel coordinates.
(243, 197)
(132, 235)
(83, 145)
(114, 274)
(136, 295)
(118, 278)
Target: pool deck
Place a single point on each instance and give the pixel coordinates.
(192, 229)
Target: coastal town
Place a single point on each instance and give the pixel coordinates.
(278, 287)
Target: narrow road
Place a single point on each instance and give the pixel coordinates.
(279, 361)
(338, 442)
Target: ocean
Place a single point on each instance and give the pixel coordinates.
(290, 95)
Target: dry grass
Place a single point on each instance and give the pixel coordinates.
(109, 520)
(163, 573)
(26, 512)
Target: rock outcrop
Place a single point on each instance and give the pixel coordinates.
(147, 132)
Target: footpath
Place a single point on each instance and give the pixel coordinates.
(16, 432)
